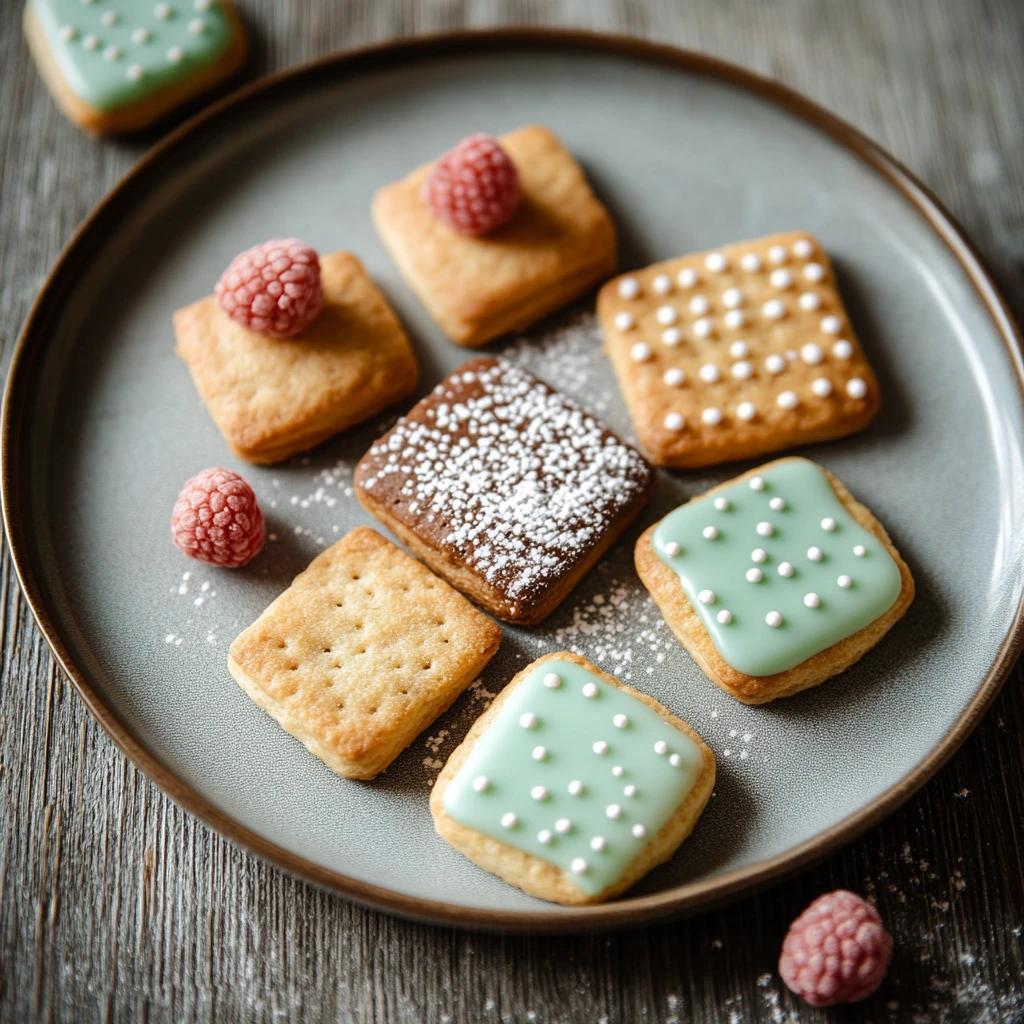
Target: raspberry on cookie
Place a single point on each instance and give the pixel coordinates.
(497, 233)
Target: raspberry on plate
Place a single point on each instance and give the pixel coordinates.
(836, 951)
(474, 187)
(274, 288)
(217, 519)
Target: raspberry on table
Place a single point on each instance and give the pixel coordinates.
(836, 951)
(217, 519)
(474, 187)
(273, 288)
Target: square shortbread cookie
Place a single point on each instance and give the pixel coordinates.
(572, 785)
(775, 581)
(274, 397)
(504, 486)
(559, 242)
(737, 352)
(363, 651)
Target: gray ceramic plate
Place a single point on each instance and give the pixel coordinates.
(687, 153)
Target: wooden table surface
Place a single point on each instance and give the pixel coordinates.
(114, 904)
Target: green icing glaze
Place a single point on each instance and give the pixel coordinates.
(631, 774)
(720, 565)
(134, 53)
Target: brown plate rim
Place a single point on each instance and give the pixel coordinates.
(18, 397)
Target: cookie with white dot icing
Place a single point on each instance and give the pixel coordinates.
(750, 350)
(559, 242)
(775, 581)
(119, 65)
(572, 786)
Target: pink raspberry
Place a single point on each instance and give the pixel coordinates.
(273, 288)
(474, 187)
(217, 519)
(836, 951)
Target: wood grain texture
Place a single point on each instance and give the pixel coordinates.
(115, 905)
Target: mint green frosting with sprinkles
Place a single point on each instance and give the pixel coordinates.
(113, 53)
(574, 771)
(776, 567)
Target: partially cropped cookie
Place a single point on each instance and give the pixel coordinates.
(119, 65)
(363, 651)
(504, 486)
(557, 242)
(274, 396)
(572, 786)
(775, 581)
(737, 352)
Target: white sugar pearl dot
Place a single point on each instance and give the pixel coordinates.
(667, 315)
(699, 305)
(703, 327)
(774, 309)
(722, 504)
(787, 400)
(746, 411)
(544, 837)
(742, 370)
(590, 690)
(687, 277)
(739, 350)
(754, 575)
(706, 597)
(68, 33)
(481, 783)
(552, 680)
(661, 747)
(777, 504)
(732, 297)
(675, 760)
(710, 533)
(539, 793)
(759, 555)
(674, 377)
(110, 18)
(598, 843)
(202, 5)
(163, 11)
(735, 318)
(711, 416)
(812, 600)
(786, 569)
(579, 866)
(624, 320)
(856, 388)
(859, 550)
(810, 301)
(715, 262)
(724, 617)
(528, 720)
(540, 753)
(774, 619)
(641, 352)
(618, 771)
(814, 272)
(509, 820)
(197, 26)
(828, 524)
(757, 483)
(672, 549)
(775, 364)
(803, 248)
(815, 554)
(613, 811)
(91, 42)
(671, 336)
(563, 826)
(662, 284)
(765, 529)
(822, 387)
(175, 55)
(140, 35)
(600, 747)
(845, 581)
(781, 279)
(674, 421)
(639, 831)
(135, 72)
(831, 324)
(620, 721)
(811, 354)
(575, 787)
(629, 288)
(710, 373)
(112, 53)
(629, 790)
(777, 254)
(751, 262)
(842, 350)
